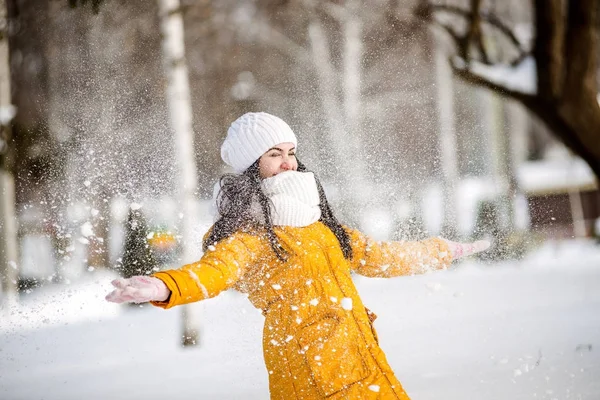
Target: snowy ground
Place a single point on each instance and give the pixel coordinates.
(527, 330)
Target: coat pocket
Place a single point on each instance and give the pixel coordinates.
(335, 353)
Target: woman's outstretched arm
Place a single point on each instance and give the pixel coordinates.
(388, 259)
(219, 269)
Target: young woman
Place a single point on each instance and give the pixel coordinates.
(277, 240)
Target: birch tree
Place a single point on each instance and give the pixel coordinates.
(8, 222)
(447, 134)
(180, 114)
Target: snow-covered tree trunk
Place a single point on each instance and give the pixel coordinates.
(577, 214)
(8, 220)
(57, 123)
(180, 113)
(98, 257)
(352, 73)
(99, 192)
(327, 78)
(8, 238)
(500, 169)
(447, 134)
(518, 137)
(353, 48)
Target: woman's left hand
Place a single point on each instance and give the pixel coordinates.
(458, 250)
(138, 289)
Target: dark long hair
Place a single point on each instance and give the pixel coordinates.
(240, 193)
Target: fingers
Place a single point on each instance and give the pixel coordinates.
(459, 250)
(122, 293)
(114, 296)
(137, 289)
(128, 294)
(467, 249)
(120, 296)
(120, 283)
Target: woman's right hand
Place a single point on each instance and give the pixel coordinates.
(459, 250)
(138, 289)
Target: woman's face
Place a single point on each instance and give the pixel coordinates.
(277, 159)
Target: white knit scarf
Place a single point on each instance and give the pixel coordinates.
(294, 198)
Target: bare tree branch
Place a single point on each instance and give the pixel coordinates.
(456, 38)
(474, 34)
(473, 78)
(489, 18)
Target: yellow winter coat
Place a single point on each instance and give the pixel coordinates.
(318, 340)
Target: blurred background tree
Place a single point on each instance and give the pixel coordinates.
(138, 255)
(559, 58)
(8, 219)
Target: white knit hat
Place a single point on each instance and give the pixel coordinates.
(250, 136)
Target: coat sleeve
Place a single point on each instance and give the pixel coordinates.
(219, 269)
(389, 259)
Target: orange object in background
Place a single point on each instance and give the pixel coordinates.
(162, 241)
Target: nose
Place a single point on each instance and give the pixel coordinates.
(286, 165)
